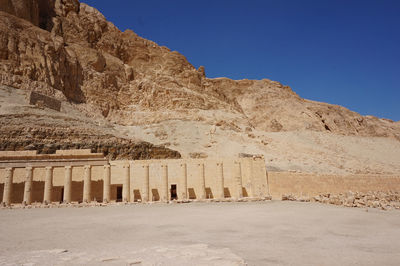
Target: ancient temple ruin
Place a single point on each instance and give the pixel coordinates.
(76, 176)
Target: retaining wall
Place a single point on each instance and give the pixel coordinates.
(313, 184)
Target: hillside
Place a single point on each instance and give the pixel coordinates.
(117, 85)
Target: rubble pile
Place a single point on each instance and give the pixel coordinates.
(372, 199)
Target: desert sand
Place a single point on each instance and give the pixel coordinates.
(255, 233)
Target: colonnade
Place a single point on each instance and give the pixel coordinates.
(126, 184)
(48, 185)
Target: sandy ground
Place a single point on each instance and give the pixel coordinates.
(257, 233)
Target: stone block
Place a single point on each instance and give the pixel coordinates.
(44, 101)
(17, 153)
(74, 152)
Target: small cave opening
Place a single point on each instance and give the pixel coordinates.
(325, 125)
(327, 128)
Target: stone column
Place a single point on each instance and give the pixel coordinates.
(8, 182)
(106, 183)
(67, 184)
(238, 180)
(164, 181)
(146, 191)
(87, 182)
(184, 182)
(202, 182)
(48, 185)
(28, 186)
(253, 183)
(220, 172)
(126, 185)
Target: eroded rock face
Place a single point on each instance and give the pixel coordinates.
(25, 9)
(68, 50)
(39, 12)
(33, 59)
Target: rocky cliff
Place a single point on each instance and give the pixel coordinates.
(69, 51)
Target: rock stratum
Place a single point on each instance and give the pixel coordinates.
(123, 91)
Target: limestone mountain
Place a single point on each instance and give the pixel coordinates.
(143, 91)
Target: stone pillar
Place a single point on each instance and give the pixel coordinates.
(238, 179)
(202, 182)
(28, 186)
(67, 184)
(164, 181)
(126, 185)
(106, 183)
(252, 179)
(48, 185)
(8, 182)
(146, 190)
(184, 182)
(87, 182)
(220, 172)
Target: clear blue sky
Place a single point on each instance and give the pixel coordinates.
(339, 51)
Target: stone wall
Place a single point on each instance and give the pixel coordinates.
(302, 184)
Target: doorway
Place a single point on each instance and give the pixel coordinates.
(174, 194)
(62, 195)
(119, 193)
